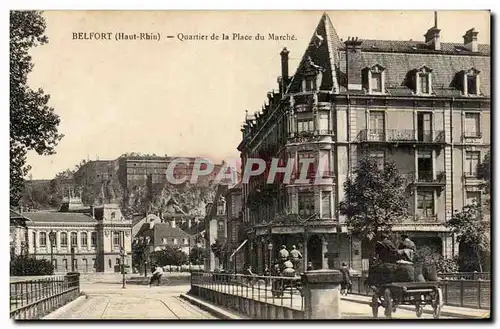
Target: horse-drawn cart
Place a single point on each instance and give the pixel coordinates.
(391, 295)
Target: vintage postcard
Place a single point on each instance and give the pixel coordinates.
(250, 165)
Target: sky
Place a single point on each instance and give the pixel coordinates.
(186, 98)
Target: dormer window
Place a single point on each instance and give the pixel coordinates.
(424, 81)
(312, 76)
(471, 82)
(374, 79)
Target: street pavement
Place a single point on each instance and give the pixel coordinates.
(110, 301)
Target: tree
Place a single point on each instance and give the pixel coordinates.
(426, 255)
(375, 198)
(473, 231)
(197, 255)
(484, 172)
(219, 248)
(33, 124)
(170, 256)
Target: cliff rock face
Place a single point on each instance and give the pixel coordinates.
(189, 199)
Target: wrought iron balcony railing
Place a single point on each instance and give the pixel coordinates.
(401, 135)
(426, 176)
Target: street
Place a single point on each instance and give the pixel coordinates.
(110, 301)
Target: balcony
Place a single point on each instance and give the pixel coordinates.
(401, 136)
(310, 136)
(427, 178)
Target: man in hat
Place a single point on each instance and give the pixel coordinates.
(406, 249)
(295, 257)
(283, 254)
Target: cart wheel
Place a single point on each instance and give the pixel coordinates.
(437, 303)
(388, 303)
(374, 305)
(419, 309)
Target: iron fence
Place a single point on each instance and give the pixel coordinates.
(461, 293)
(275, 290)
(466, 276)
(36, 297)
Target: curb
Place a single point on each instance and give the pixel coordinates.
(65, 307)
(426, 311)
(215, 311)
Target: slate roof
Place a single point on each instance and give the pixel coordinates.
(58, 217)
(398, 57)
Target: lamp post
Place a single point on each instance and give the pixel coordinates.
(52, 238)
(270, 248)
(123, 253)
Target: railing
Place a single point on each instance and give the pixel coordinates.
(401, 135)
(256, 296)
(461, 293)
(466, 276)
(36, 297)
(426, 177)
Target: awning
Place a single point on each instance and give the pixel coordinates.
(238, 249)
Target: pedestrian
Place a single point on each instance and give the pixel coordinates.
(345, 285)
(295, 257)
(158, 272)
(283, 254)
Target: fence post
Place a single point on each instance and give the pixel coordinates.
(478, 294)
(461, 293)
(322, 294)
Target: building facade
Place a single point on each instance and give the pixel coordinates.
(80, 239)
(234, 224)
(215, 223)
(423, 104)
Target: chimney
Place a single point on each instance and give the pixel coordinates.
(354, 63)
(432, 37)
(284, 69)
(470, 40)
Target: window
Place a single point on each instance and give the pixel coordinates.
(54, 263)
(93, 239)
(472, 197)
(164, 240)
(116, 239)
(221, 226)
(471, 163)
(324, 126)
(84, 239)
(376, 82)
(306, 203)
(185, 242)
(35, 242)
(175, 240)
(118, 261)
(425, 204)
(109, 263)
(75, 262)
(64, 239)
(113, 215)
(309, 83)
(311, 166)
(472, 85)
(377, 125)
(94, 265)
(326, 197)
(424, 83)
(43, 239)
(74, 239)
(65, 263)
(305, 125)
(378, 156)
(472, 128)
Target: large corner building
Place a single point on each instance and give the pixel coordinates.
(424, 104)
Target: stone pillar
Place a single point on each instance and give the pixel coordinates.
(321, 290)
(304, 255)
(324, 253)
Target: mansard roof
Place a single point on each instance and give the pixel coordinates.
(398, 58)
(58, 217)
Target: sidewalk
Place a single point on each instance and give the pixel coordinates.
(451, 311)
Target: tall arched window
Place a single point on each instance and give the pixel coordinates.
(84, 239)
(74, 239)
(64, 239)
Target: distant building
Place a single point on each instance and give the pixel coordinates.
(235, 236)
(18, 234)
(165, 234)
(80, 238)
(215, 227)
